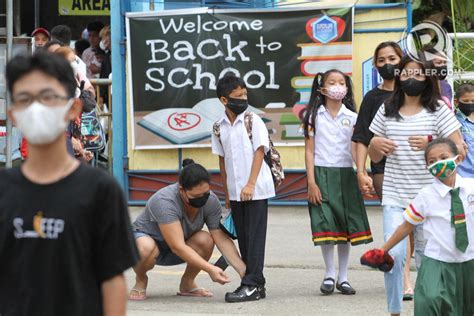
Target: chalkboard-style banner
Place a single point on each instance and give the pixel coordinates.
(175, 59)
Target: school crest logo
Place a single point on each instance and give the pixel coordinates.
(470, 199)
(346, 123)
(324, 29)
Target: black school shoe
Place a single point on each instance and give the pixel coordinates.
(245, 293)
(327, 289)
(345, 288)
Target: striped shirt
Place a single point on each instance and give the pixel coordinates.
(405, 170)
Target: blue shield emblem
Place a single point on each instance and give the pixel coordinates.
(324, 29)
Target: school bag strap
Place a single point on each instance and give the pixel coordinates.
(216, 130)
(272, 156)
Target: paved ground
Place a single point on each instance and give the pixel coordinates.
(294, 269)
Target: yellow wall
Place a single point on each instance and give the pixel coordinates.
(292, 157)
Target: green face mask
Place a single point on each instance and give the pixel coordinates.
(443, 168)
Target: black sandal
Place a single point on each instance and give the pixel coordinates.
(345, 288)
(327, 289)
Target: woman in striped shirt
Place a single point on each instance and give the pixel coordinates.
(402, 126)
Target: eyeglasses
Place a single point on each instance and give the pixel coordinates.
(48, 98)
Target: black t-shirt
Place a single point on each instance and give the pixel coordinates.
(369, 107)
(60, 241)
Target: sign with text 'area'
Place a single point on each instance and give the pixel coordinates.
(84, 7)
(175, 59)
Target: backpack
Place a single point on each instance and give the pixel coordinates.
(92, 132)
(272, 157)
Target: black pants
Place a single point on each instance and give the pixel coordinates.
(250, 220)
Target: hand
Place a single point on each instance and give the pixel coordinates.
(76, 145)
(247, 192)
(87, 155)
(314, 194)
(383, 145)
(218, 275)
(366, 185)
(377, 258)
(418, 143)
(94, 68)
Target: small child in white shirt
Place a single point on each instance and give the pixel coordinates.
(445, 282)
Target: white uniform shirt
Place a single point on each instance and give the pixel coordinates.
(432, 207)
(238, 153)
(332, 141)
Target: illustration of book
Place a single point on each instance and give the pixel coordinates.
(291, 125)
(302, 82)
(341, 50)
(311, 67)
(185, 125)
(305, 94)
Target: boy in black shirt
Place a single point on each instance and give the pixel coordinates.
(65, 236)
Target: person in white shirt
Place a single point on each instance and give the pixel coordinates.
(89, 54)
(400, 126)
(445, 282)
(336, 206)
(248, 182)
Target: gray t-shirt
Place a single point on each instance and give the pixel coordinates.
(165, 206)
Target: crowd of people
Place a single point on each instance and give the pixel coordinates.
(66, 237)
(89, 59)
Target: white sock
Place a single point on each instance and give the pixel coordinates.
(328, 256)
(343, 255)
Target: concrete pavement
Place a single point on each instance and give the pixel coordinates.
(294, 269)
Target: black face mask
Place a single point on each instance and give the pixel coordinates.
(237, 106)
(387, 71)
(466, 108)
(441, 72)
(199, 201)
(412, 87)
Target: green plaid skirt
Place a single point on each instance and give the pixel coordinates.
(342, 216)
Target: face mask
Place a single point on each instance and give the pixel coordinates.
(41, 124)
(441, 72)
(102, 46)
(443, 168)
(199, 201)
(237, 106)
(387, 71)
(75, 67)
(336, 92)
(466, 108)
(412, 87)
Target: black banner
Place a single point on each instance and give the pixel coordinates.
(176, 60)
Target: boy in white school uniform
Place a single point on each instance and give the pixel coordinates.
(248, 182)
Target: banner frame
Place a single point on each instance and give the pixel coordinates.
(204, 10)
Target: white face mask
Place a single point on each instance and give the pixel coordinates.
(41, 124)
(102, 46)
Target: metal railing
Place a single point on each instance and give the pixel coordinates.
(464, 67)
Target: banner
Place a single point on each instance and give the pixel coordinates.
(84, 7)
(176, 58)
